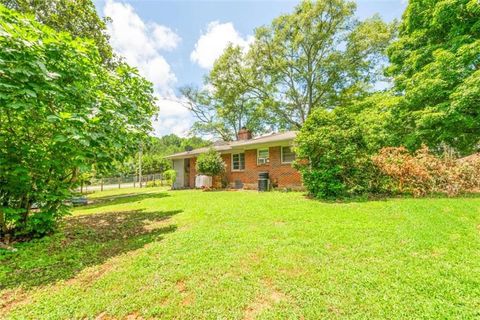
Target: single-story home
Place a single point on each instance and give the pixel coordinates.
(245, 159)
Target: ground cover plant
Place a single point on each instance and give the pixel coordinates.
(153, 253)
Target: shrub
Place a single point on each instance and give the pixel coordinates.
(423, 173)
(210, 163)
(155, 183)
(332, 156)
(171, 176)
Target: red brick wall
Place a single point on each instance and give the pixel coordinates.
(281, 175)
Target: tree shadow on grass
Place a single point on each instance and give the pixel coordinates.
(82, 241)
(124, 198)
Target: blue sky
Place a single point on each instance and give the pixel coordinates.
(174, 43)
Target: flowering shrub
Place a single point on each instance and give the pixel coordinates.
(423, 173)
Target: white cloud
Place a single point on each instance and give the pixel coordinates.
(141, 44)
(213, 42)
(174, 118)
(165, 38)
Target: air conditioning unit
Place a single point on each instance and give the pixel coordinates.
(262, 161)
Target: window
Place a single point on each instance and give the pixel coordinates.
(287, 155)
(263, 156)
(238, 161)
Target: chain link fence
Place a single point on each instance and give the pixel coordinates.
(128, 181)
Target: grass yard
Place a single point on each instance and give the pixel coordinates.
(153, 253)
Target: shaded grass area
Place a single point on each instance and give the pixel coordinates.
(249, 255)
(98, 202)
(82, 241)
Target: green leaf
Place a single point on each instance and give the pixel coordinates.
(65, 115)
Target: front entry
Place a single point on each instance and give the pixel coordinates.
(186, 175)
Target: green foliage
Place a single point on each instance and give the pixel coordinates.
(227, 105)
(170, 144)
(435, 64)
(61, 113)
(171, 176)
(153, 159)
(154, 163)
(210, 163)
(332, 157)
(373, 114)
(317, 57)
(79, 18)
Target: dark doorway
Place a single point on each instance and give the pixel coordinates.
(186, 175)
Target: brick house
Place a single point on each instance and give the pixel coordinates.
(245, 158)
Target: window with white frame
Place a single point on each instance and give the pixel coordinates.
(263, 156)
(238, 161)
(288, 156)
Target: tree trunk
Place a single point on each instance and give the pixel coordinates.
(3, 223)
(25, 204)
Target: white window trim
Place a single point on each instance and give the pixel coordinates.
(281, 151)
(238, 170)
(258, 156)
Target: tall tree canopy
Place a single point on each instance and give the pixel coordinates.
(226, 104)
(436, 66)
(78, 17)
(319, 56)
(61, 113)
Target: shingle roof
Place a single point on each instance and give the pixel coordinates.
(239, 144)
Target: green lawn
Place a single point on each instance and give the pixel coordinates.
(244, 255)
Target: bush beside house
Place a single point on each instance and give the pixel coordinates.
(332, 156)
(210, 164)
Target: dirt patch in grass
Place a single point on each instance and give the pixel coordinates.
(188, 297)
(266, 300)
(180, 285)
(11, 298)
(132, 316)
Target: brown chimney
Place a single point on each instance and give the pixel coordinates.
(244, 134)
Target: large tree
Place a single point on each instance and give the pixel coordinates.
(226, 105)
(319, 56)
(61, 114)
(78, 17)
(436, 66)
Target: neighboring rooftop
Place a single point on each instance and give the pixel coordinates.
(239, 144)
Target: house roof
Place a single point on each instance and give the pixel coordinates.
(265, 140)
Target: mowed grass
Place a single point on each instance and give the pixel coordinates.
(153, 253)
